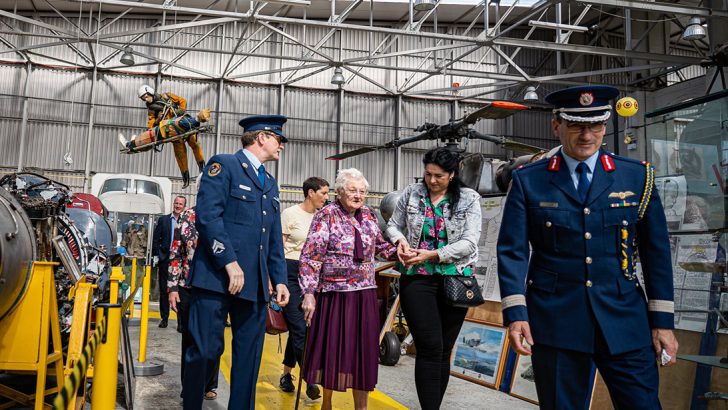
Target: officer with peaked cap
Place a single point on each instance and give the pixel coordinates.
(240, 248)
(575, 299)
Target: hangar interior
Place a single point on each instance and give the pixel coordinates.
(347, 74)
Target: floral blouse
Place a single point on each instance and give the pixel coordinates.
(327, 257)
(182, 251)
(434, 236)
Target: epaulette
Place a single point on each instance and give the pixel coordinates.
(616, 157)
(532, 164)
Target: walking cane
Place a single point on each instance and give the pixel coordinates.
(303, 364)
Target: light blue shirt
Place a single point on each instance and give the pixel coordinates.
(254, 161)
(172, 224)
(571, 163)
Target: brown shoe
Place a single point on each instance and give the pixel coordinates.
(203, 115)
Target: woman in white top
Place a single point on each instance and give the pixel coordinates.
(295, 222)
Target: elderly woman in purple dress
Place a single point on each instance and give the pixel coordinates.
(339, 292)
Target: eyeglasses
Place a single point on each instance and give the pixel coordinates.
(352, 191)
(274, 135)
(579, 127)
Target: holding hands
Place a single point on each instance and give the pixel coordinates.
(409, 256)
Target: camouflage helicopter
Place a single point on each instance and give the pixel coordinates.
(488, 176)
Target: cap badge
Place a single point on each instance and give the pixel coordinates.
(586, 99)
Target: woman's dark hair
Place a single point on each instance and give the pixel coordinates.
(449, 161)
(314, 183)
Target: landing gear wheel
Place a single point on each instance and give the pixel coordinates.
(389, 349)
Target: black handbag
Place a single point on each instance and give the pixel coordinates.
(462, 291)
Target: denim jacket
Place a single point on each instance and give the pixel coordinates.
(463, 230)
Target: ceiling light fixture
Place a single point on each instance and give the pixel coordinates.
(557, 26)
(338, 77)
(127, 58)
(694, 31)
(424, 5)
(531, 94)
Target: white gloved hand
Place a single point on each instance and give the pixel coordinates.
(155, 261)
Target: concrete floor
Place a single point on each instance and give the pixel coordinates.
(395, 388)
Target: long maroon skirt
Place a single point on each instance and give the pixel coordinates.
(343, 341)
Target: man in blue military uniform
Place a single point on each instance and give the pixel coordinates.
(573, 295)
(240, 248)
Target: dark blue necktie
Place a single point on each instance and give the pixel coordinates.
(583, 184)
(261, 175)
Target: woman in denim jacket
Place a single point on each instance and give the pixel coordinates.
(436, 226)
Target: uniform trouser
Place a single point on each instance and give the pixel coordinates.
(180, 152)
(563, 376)
(435, 326)
(163, 275)
(183, 316)
(294, 318)
(208, 312)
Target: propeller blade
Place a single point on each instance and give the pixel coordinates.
(494, 111)
(358, 151)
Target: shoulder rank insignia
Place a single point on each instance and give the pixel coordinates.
(607, 163)
(214, 169)
(621, 195)
(554, 163)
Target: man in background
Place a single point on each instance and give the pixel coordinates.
(161, 244)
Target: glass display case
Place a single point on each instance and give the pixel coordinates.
(687, 144)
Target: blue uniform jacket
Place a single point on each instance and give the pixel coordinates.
(575, 275)
(238, 219)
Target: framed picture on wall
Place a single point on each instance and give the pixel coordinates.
(523, 384)
(479, 353)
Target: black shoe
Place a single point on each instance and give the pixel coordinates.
(163, 323)
(287, 383)
(185, 179)
(179, 328)
(313, 392)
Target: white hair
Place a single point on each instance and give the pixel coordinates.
(347, 176)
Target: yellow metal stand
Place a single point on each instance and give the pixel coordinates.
(132, 284)
(82, 293)
(143, 368)
(143, 331)
(103, 394)
(25, 334)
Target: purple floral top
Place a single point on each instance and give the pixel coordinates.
(327, 257)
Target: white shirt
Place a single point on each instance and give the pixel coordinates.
(254, 161)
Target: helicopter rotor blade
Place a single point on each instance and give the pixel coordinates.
(506, 143)
(353, 153)
(392, 144)
(521, 147)
(494, 111)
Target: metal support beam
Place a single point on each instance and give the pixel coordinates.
(218, 115)
(398, 151)
(601, 51)
(659, 7)
(24, 121)
(89, 133)
(339, 126)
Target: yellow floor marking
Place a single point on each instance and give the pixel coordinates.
(269, 396)
(153, 314)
